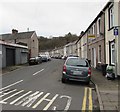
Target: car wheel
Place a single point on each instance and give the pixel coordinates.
(63, 80)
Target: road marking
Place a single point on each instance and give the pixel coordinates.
(11, 85)
(8, 93)
(38, 72)
(50, 103)
(32, 100)
(27, 98)
(84, 100)
(3, 101)
(90, 100)
(68, 102)
(20, 98)
(41, 100)
(4, 91)
(54, 108)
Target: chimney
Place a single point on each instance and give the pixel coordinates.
(14, 31)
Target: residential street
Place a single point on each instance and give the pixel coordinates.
(39, 87)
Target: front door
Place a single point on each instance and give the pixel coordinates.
(93, 56)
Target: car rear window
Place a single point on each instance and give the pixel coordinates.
(77, 62)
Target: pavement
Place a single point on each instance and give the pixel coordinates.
(107, 91)
(12, 68)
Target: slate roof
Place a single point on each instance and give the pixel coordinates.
(21, 35)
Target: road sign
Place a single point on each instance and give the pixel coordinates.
(115, 31)
(91, 36)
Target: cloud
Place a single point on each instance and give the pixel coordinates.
(49, 18)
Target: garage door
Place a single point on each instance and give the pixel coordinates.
(10, 57)
(24, 57)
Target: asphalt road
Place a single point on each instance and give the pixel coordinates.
(39, 87)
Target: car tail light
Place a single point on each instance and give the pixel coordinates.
(89, 72)
(64, 68)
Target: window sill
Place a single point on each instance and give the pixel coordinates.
(112, 64)
(110, 28)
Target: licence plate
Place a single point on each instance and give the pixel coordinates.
(77, 72)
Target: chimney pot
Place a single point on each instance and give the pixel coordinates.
(14, 31)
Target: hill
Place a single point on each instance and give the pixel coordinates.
(46, 44)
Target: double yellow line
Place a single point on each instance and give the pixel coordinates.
(89, 98)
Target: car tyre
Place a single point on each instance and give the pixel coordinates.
(88, 82)
(63, 80)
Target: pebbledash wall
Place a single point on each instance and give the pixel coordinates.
(12, 54)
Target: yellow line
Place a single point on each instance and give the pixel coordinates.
(90, 100)
(84, 100)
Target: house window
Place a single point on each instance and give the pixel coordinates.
(112, 53)
(111, 17)
(93, 29)
(99, 53)
(98, 26)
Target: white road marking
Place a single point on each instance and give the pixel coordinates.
(41, 100)
(3, 101)
(50, 103)
(4, 91)
(27, 98)
(68, 102)
(11, 85)
(27, 101)
(38, 72)
(8, 93)
(54, 108)
(20, 98)
(32, 100)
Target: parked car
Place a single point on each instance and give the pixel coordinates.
(44, 58)
(76, 69)
(39, 58)
(35, 60)
(48, 57)
(73, 55)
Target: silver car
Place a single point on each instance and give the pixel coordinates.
(76, 69)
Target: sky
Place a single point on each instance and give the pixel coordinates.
(48, 17)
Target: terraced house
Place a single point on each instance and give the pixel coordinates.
(112, 40)
(100, 43)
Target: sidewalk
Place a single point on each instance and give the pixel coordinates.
(107, 91)
(12, 68)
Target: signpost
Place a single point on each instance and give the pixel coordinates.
(115, 32)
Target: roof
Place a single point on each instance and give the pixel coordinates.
(100, 13)
(11, 44)
(20, 35)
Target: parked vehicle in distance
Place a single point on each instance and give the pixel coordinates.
(44, 58)
(48, 57)
(73, 55)
(35, 60)
(76, 69)
(39, 58)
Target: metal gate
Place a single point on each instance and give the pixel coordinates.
(10, 57)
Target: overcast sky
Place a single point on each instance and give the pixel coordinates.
(53, 18)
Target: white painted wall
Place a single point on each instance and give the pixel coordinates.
(84, 47)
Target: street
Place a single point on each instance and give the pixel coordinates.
(39, 87)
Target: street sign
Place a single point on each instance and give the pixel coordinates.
(91, 36)
(115, 31)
